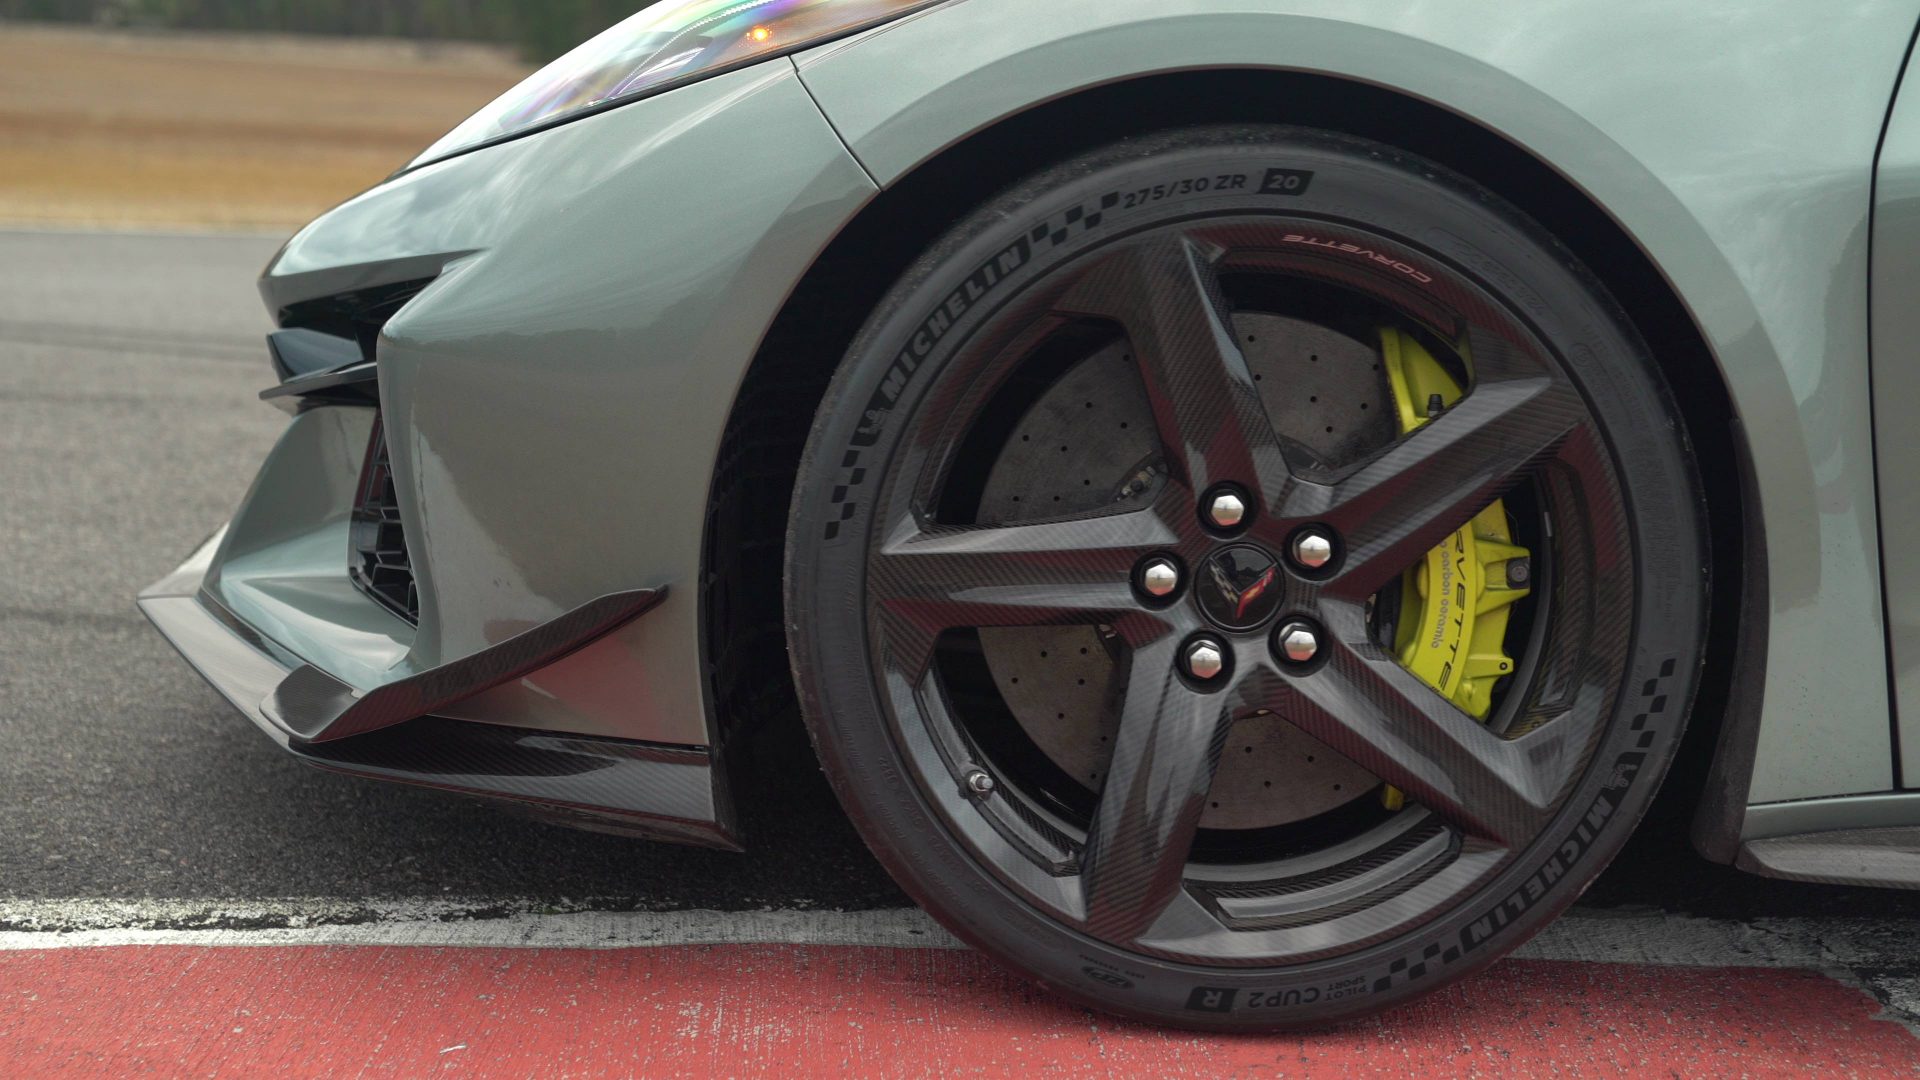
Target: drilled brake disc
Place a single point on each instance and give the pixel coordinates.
(1084, 444)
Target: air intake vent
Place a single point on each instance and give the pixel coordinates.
(378, 560)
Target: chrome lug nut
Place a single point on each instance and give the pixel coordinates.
(1160, 578)
(1313, 549)
(1298, 642)
(1205, 659)
(1226, 510)
(979, 784)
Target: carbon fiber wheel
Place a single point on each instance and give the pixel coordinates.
(1246, 577)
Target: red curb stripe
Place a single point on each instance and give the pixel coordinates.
(796, 1011)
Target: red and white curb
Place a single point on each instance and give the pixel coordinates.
(327, 987)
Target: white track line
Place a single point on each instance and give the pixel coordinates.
(1620, 937)
(422, 925)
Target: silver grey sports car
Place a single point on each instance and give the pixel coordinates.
(1245, 495)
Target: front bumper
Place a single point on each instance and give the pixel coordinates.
(553, 399)
(663, 792)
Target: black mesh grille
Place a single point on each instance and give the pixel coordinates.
(378, 560)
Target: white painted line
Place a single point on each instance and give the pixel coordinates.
(1594, 936)
(907, 929)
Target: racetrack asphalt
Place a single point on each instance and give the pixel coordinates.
(130, 426)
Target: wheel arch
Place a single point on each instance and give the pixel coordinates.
(787, 378)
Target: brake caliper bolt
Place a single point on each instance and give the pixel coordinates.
(1160, 578)
(1313, 549)
(1226, 510)
(1519, 572)
(979, 784)
(1205, 660)
(1298, 642)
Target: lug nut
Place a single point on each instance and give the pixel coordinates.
(1226, 510)
(1313, 549)
(1297, 642)
(1160, 578)
(1205, 660)
(979, 784)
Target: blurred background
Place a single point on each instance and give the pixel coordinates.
(247, 114)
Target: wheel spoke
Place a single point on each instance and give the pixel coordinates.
(1164, 758)
(1408, 499)
(1165, 294)
(1367, 706)
(1068, 572)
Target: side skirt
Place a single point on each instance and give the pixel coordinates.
(1850, 840)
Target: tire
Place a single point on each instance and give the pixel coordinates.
(1137, 893)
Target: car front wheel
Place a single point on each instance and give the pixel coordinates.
(1246, 577)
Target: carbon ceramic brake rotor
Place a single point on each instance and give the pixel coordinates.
(1082, 445)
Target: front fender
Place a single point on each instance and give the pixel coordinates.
(555, 398)
(1733, 144)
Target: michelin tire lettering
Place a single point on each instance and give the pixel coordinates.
(1052, 232)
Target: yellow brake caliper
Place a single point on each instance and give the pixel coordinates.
(1454, 604)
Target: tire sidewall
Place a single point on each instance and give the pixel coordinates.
(1062, 214)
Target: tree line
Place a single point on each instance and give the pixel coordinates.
(542, 29)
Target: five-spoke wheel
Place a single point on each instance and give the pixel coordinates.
(1233, 586)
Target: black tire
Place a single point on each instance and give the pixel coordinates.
(1618, 629)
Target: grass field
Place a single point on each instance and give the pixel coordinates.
(217, 131)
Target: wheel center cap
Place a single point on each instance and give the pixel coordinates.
(1239, 587)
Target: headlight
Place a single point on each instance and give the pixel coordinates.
(670, 43)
